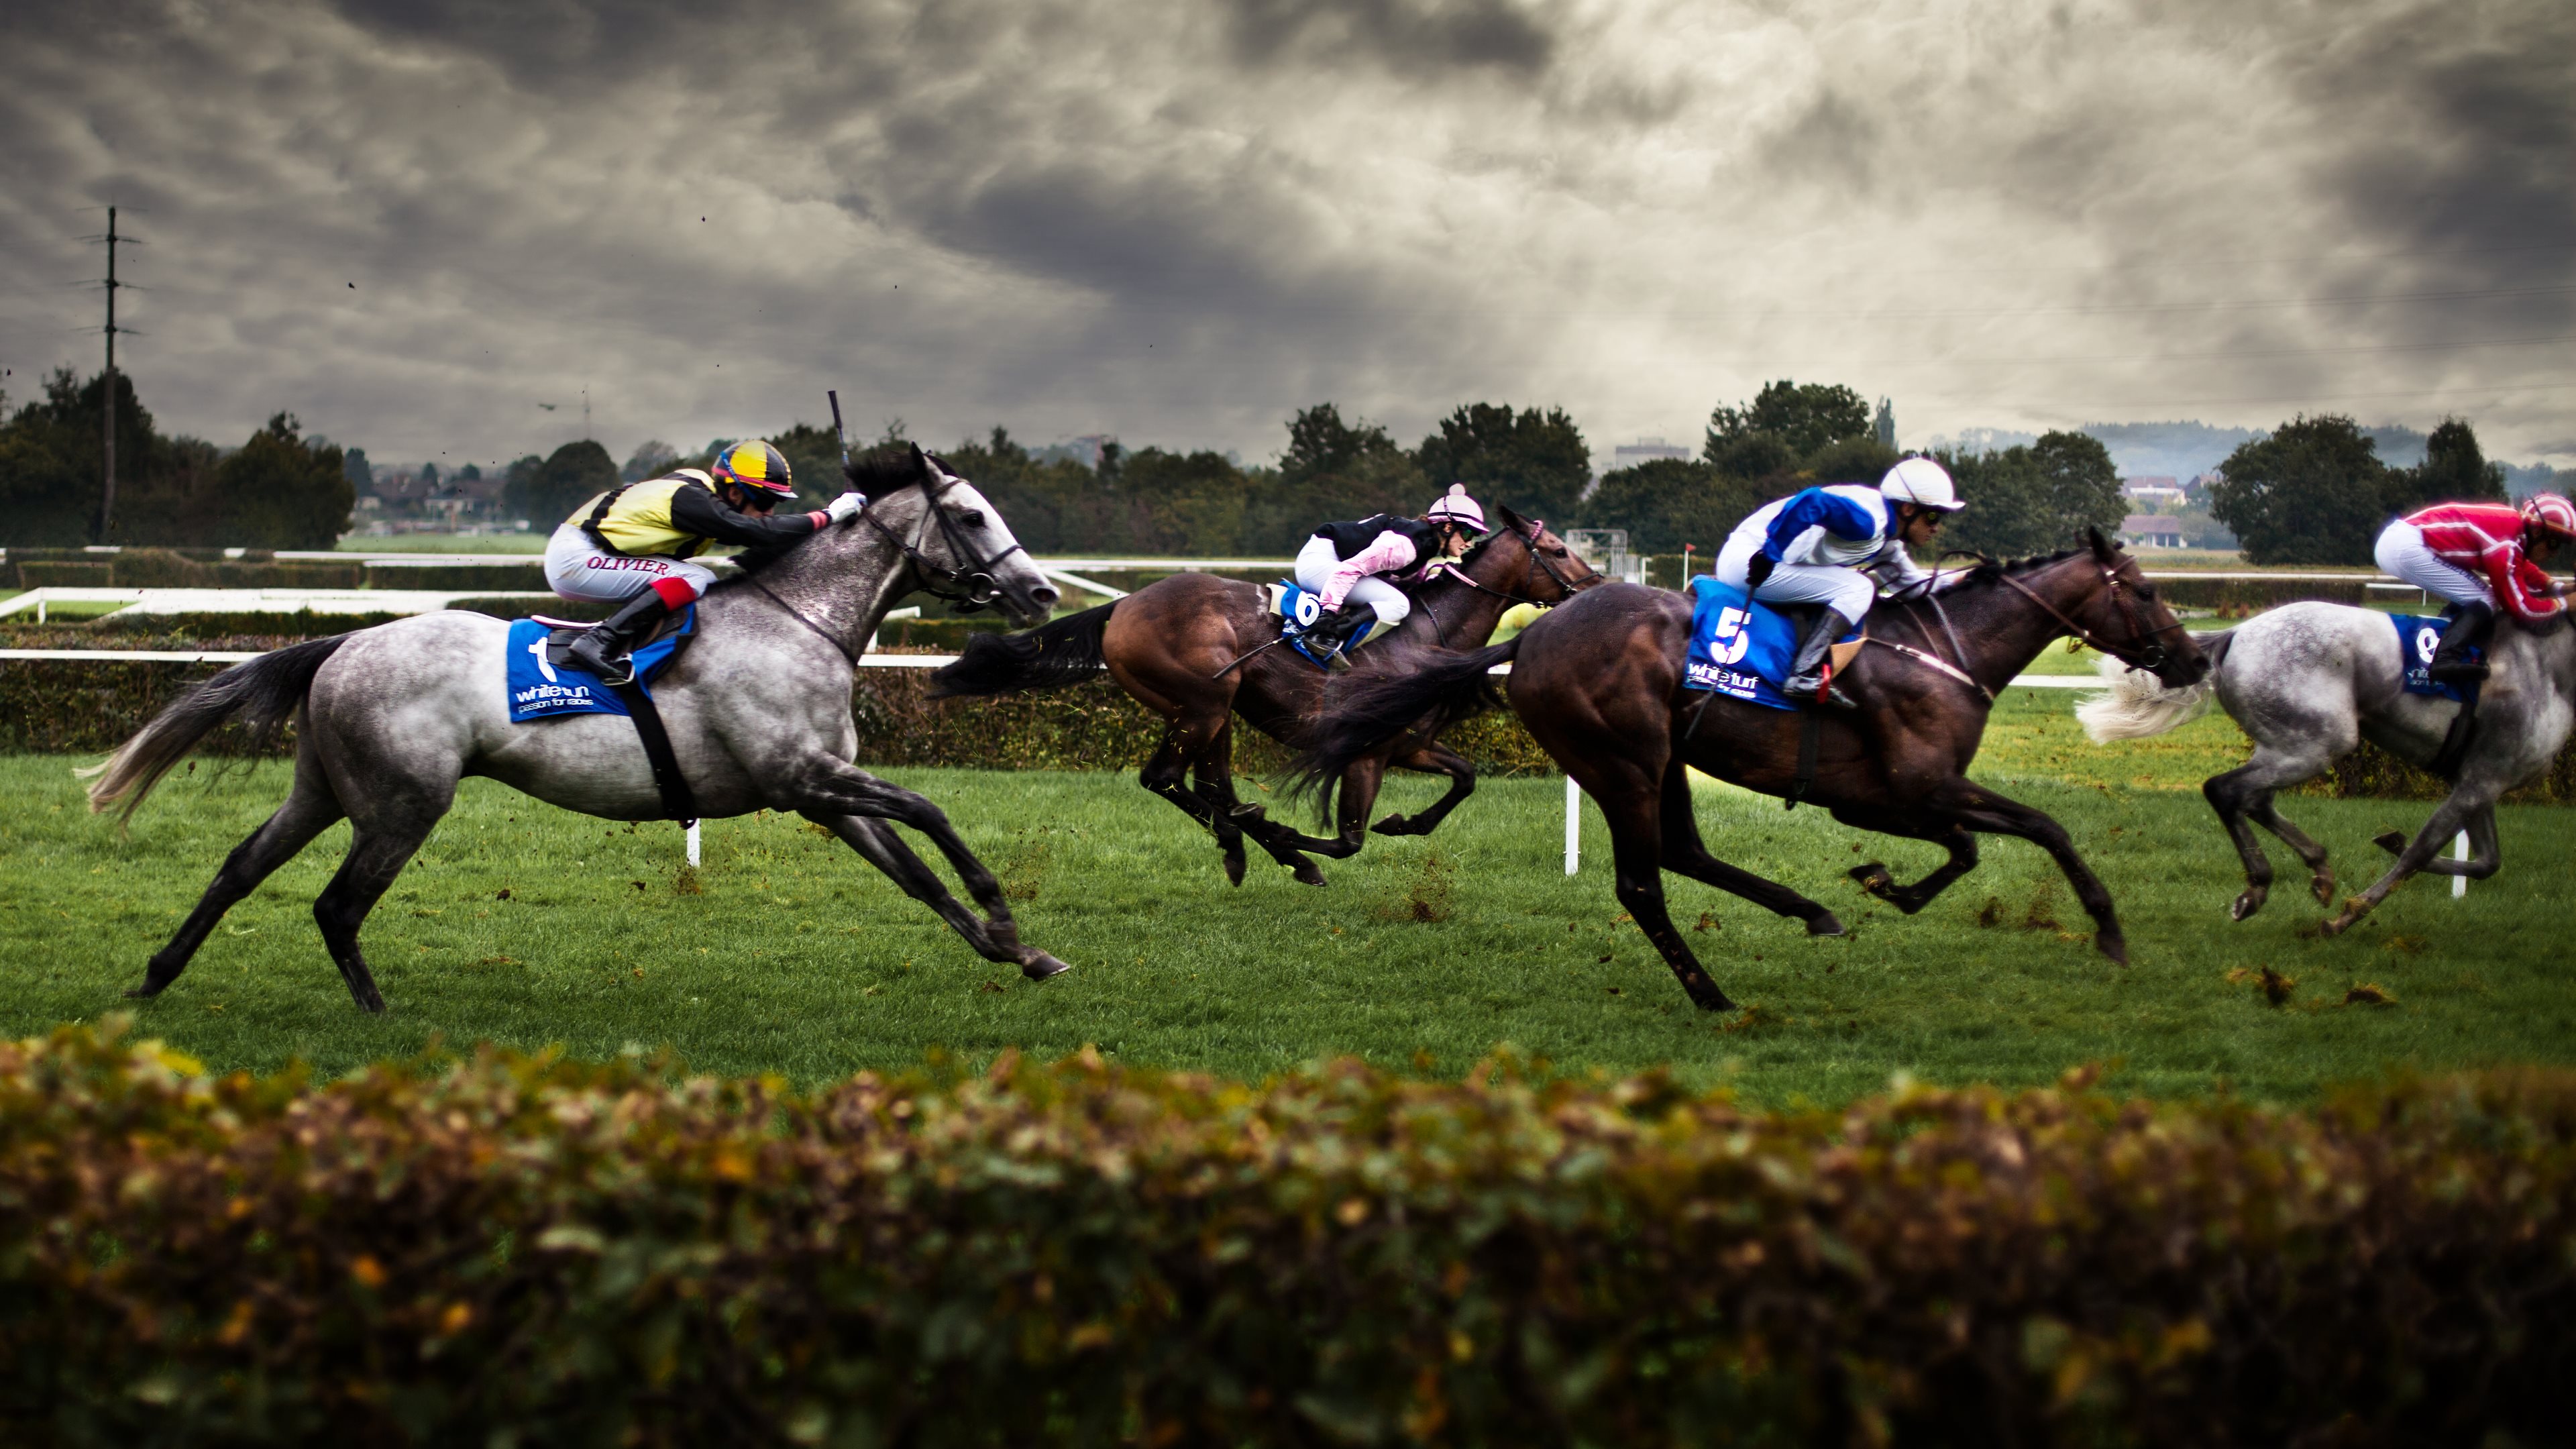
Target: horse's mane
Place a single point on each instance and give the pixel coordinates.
(1989, 568)
(876, 474)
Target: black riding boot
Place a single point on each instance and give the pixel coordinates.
(2471, 626)
(1336, 633)
(1806, 679)
(604, 650)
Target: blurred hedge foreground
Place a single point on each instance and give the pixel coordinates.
(526, 1250)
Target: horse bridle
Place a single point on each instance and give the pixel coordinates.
(1440, 631)
(2151, 658)
(973, 582)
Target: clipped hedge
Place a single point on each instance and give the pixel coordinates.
(163, 568)
(520, 1249)
(499, 578)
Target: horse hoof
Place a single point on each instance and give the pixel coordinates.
(1040, 966)
(2246, 905)
(1307, 874)
(1824, 923)
(2115, 947)
(1393, 825)
(2390, 841)
(1234, 868)
(144, 992)
(1873, 877)
(2323, 888)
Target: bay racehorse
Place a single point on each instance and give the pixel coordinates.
(389, 719)
(2309, 682)
(1599, 684)
(1178, 647)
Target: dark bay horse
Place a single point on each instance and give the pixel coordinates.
(1169, 646)
(389, 719)
(1599, 683)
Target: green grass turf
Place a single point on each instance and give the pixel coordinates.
(797, 957)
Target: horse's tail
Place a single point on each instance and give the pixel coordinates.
(2137, 707)
(1050, 656)
(1364, 714)
(265, 692)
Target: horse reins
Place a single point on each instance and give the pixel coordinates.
(1537, 556)
(2151, 658)
(974, 580)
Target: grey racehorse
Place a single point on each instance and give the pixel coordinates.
(388, 720)
(2309, 682)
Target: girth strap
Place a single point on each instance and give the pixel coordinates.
(678, 800)
(1811, 732)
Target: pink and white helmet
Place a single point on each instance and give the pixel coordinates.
(2549, 513)
(1455, 506)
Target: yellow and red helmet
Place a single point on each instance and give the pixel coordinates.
(754, 465)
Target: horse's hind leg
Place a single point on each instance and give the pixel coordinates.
(376, 856)
(309, 810)
(2449, 818)
(2485, 851)
(1685, 853)
(1214, 774)
(1432, 759)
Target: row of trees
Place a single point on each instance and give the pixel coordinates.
(2314, 491)
(279, 489)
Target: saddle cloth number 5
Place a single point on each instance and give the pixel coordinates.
(1728, 641)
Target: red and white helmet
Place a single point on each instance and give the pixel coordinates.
(2549, 513)
(1456, 507)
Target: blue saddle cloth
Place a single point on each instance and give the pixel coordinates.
(1739, 647)
(1299, 611)
(542, 690)
(2418, 636)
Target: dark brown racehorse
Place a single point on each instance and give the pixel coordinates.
(1599, 683)
(1179, 646)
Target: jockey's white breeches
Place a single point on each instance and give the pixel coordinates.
(1316, 563)
(579, 569)
(1847, 592)
(2401, 551)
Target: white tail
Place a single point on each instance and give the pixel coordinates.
(2136, 706)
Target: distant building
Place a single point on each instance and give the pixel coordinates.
(2151, 530)
(1885, 426)
(2152, 492)
(1645, 450)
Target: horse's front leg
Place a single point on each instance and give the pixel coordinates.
(1875, 877)
(1214, 777)
(1432, 759)
(1979, 808)
(2449, 818)
(838, 790)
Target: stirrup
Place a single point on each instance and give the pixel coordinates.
(616, 671)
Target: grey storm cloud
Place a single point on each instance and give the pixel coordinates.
(1181, 222)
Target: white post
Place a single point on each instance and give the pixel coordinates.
(2460, 851)
(1573, 824)
(693, 843)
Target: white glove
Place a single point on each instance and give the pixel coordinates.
(846, 507)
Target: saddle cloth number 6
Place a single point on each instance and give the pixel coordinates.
(1729, 640)
(2428, 642)
(1308, 609)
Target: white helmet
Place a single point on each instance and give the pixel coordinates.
(1921, 481)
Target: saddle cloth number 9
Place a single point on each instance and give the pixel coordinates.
(1730, 639)
(2427, 642)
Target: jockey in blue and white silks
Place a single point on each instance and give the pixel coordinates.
(1835, 545)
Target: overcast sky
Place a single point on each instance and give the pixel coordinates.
(412, 222)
